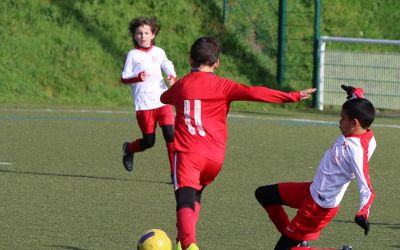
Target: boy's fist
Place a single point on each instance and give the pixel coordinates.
(171, 80)
(353, 92)
(363, 223)
(142, 76)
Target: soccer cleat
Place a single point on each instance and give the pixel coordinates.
(192, 247)
(304, 244)
(353, 92)
(127, 158)
(178, 246)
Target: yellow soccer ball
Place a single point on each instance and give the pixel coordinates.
(154, 239)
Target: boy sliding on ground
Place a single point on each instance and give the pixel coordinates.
(318, 201)
(202, 101)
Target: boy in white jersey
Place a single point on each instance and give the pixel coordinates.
(142, 71)
(318, 201)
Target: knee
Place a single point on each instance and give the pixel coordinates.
(168, 133)
(268, 195)
(259, 194)
(169, 138)
(148, 142)
(185, 197)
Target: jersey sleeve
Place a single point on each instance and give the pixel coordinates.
(242, 92)
(167, 96)
(127, 75)
(359, 163)
(167, 66)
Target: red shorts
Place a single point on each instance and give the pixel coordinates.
(148, 119)
(310, 218)
(193, 170)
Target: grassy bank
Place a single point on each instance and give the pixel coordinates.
(71, 52)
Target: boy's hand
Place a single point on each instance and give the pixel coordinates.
(363, 223)
(305, 94)
(171, 80)
(353, 92)
(143, 75)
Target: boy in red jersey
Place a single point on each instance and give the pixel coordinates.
(202, 101)
(142, 71)
(318, 201)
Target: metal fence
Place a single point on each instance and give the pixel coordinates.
(257, 23)
(376, 70)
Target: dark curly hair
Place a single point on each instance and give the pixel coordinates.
(140, 21)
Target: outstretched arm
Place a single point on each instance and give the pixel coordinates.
(241, 92)
(307, 93)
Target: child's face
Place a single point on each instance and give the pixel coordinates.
(346, 125)
(144, 36)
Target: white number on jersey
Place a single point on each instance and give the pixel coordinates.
(197, 117)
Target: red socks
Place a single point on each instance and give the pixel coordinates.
(171, 150)
(197, 207)
(278, 216)
(134, 146)
(186, 224)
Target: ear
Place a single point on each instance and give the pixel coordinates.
(216, 64)
(355, 123)
(190, 62)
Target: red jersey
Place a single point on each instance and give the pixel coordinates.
(202, 102)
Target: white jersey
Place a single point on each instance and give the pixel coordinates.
(345, 160)
(146, 94)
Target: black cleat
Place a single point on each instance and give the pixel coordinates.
(304, 244)
(127, 158)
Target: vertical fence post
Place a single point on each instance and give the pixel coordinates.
(280, 75)
(319, 103)
(317, 17)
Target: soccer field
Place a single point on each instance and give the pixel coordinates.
(63, 186)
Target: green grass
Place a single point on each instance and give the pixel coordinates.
(67, 189)
(71, 52)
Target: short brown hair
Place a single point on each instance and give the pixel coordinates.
(204, 50)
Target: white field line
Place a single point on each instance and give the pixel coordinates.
(49, 110)
(306, 121)
(6, 163)
(90, 111)
(284, 119)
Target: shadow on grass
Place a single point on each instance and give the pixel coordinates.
(80, 176)
(385, 224)
(66, 247)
